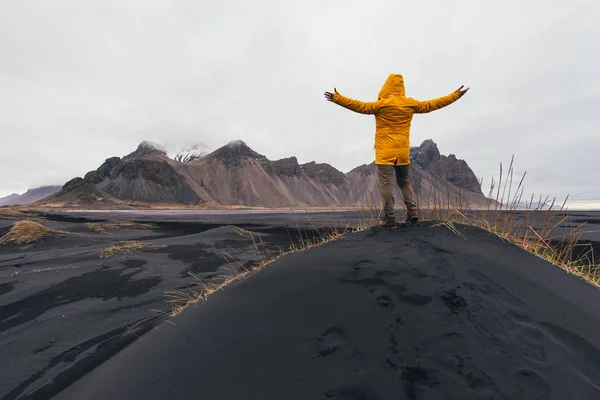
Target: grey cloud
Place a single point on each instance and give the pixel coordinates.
(83, 80)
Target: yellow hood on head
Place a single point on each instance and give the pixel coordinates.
(394, 86)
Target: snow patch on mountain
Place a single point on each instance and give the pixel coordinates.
(190, 153)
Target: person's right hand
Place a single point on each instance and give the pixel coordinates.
(461, 91)
(329, 95)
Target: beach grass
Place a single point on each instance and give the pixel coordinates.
(104, 227)
(16, 213)
(26, 231)
(182, 299)
(127, 247)
(541, 226)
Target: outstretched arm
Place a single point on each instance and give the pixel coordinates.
(351, 104)
(422, 107)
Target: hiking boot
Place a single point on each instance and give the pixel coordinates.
(412, 216)
(387, 223)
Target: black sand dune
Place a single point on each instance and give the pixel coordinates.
(410, 313)
(64, 309)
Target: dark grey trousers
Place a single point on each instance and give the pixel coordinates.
(386, 185)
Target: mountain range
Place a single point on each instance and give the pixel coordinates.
(235, 174)
(31, 196)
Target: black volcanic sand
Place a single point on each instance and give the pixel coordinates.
(407, 313)
(307, 219)
(64, 310)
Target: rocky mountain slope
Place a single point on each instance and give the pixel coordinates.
(455, 171)
(80, 192)
(429, 188)
(235, 174)
(30, 196)
(8, 200)
(146, 175)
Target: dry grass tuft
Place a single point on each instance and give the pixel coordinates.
(10, 213)
(127, 247)
(17, 214)
(28, 232)
(531, 225)
(182, 299)
(116, 225)
(250, 235)
(451, 227)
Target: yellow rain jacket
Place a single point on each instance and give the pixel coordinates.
(393, 115)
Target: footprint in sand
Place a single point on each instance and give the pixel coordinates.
(400, 291)
(363, 265)
(399, 263)
(491, 287)
(530, 385)
(353, 392)
(385, 301)
(331, 341)
(439, 249)
(531, 336)
(438, 256)
(444, 271)
(482, 385)
(363, 268)
(413, 298)
(417, 381)
(582, 355)
(454, 302)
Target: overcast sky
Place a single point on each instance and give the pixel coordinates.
(81, 81)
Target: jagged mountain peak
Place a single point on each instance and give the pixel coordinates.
(455, 171)
(234, 152)
(147, 148)
(428, 143)
(426, 154)
(236, 143)
(149, 145)
(286, 167)
(323, 173)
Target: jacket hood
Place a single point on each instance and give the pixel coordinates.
(394, 86)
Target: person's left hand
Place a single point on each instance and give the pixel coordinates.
(461, 92)
(329, 95)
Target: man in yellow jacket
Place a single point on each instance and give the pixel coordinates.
(393, 114)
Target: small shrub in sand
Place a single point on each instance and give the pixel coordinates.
(116, 225)
(28, 232)
(16, 214)
(127, 247)
(10, 213)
